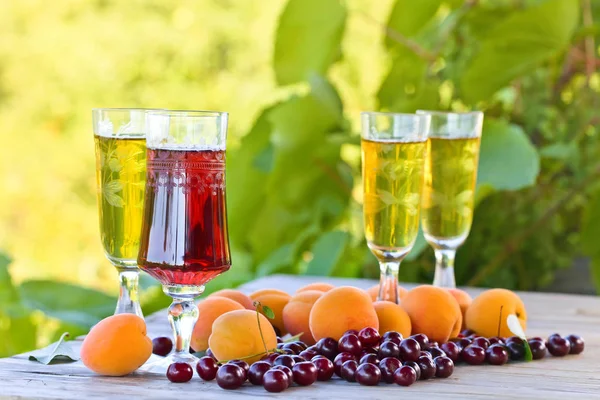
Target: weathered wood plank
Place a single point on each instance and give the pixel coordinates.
(573, 377)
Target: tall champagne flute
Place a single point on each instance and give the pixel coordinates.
(184, 242)
(120, 139)
(449, 192)
(393, 158)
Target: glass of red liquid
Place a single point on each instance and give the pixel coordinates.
(184, 241)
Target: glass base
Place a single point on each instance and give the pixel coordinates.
(159, 365)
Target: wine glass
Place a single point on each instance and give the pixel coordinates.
(120, 139)
(393, 159)
(449, 191)
(184, 241)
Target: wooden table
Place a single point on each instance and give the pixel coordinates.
(572, 377)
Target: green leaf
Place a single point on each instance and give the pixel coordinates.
(268, 312)
(293, 338)
(408, 17)
(69, 303)
(327, 252)
(518, 45)
(508, 160)
(61, 351)
(308, 39)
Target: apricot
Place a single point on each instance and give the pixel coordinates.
(434, 312)
(488, 312)
(296, 314)
(392, 317)
(235, 295)
(117, 345)
(208, 311)
(340, 309)
(464, 301)
(321, 286)
(274, 299)
(236, 335)
(374, 292)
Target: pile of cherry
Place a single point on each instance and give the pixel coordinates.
(367, 358)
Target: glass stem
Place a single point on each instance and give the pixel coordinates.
(444, 268)
(183, 315)
(388, 285)
(129, 302)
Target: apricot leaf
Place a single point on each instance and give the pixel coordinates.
(61, 351)
(268, 312)
(515, 327)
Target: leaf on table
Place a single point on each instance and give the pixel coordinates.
(61, 351)
(268, 312)
(515, 327)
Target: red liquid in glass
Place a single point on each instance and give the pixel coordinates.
(184, 237)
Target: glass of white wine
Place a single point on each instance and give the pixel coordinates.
(393, 161)
(449, 191)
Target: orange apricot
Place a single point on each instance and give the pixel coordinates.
(464, 301)
(392, 317)
(209, 310)
(488, 312)
(275, 300)
(374, 292)
(340, 309)
(434, 312)
(321, 286)
(117, 345)
(296, 314)
(235, 295)
(236, 335)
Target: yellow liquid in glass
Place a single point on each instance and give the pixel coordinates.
(121, 177)
(393, 182)
(450, 177)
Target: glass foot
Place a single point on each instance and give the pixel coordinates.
(159, 365)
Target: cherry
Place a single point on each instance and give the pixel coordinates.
(516, 350)
(514, 339)
(327, 347)
(369, 359)
(305, 373)
(294, 347)
(351, 332)
(436, 352)
(275, 381)
(324, 368)
(270, 358)
(242, 364)
(279, 340)
(422, 339)
(443, 366)
(405, 376)
(473, 354)
(496, 354)
(389, 349)
(162, 346)
(496, 340)
(467, 332)
(288, 372)
(433, 345)
(340, 359)
(414, 366)
(308, 354)
(207, 368)
(349, 370)
(369, 350)
(230, 376)
(387, 366)
(300, 343)
(392, 336)
(452, 350)
(369, 337)
(410, 350)
(538, 349)
(350, 343)
(284, 359)
(577, 344)
(367, 374)
(257, 372)
(210, 354)
(180, 372)
(558, 346)
(463, 342)
(481, 342)
(426, 354)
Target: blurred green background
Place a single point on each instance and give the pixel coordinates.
(294, 76)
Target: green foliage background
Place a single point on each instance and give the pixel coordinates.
(294, 75)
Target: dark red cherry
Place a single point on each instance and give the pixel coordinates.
(405, 376)
(162, 346)
(207, 368)
(180, 372)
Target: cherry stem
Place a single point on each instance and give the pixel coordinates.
(500, 320)
(250, 356)
(258, 305)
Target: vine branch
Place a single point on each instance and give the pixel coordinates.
(512, 245)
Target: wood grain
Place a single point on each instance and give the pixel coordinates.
(572, 377)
